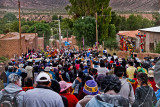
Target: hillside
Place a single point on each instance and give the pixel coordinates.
(59, 5)
(135, 5)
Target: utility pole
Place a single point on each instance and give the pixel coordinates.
(67, 39)
(96, 31)
(59, 34)
(20, 26)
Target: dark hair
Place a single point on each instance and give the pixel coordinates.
(135, 55)
(130, 63)
(85, 78)
(28, 82)
(55, 86)
(80, 74)
(6, 68)
(143, 78)
(111, 82)
(102, 64)
(137, 64)
(93, 71)
(114, 53)
(119, 71)
(43, 83)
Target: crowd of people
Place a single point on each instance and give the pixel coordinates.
(70, 78)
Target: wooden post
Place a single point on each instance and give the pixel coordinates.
(20, 27)
(96, 31)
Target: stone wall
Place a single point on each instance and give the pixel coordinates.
(123, 54)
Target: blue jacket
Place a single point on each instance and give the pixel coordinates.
(158, 94)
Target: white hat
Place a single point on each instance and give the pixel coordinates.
(151, 73)
(21, 65)
(51, 67)
(47, 69)
(45, 75)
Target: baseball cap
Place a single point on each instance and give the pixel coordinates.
(45, 77)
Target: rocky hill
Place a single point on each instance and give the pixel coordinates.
(59, 5)
(135, 5)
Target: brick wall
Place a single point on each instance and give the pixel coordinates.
(40, 42)
(9, 47)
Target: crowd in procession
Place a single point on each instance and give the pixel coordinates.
(69, 78)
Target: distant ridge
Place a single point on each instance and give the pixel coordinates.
(59, 5)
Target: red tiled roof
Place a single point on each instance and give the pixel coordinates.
(131, 34)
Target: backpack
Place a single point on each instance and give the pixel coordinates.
(8, 99)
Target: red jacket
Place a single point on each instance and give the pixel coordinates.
(72, 100)
(152, 82)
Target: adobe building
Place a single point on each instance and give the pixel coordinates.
(40, 42)
(10, 43)
(152, 38)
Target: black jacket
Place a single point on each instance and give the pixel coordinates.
(141, 94)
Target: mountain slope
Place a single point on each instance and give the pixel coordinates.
(135, 5)
(59, 5)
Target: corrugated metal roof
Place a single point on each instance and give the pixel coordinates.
(151, 29)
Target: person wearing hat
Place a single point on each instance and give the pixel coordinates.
(52, 72)
(42, 95)
(14, 87)
(47, 70)
(90, 89)
(65, 91)
(111, 86)
(151, 79)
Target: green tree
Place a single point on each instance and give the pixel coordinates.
(41, 29)
(133, 23)
(85, 27)
(12, 27)
(111, 43)
(157, 50)
(156, 18)
(54, 17)
(67, 26)
(2, 25)
(10, 17)
(112, 31)
(147, 23)
(89, 8)
(24, 28)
